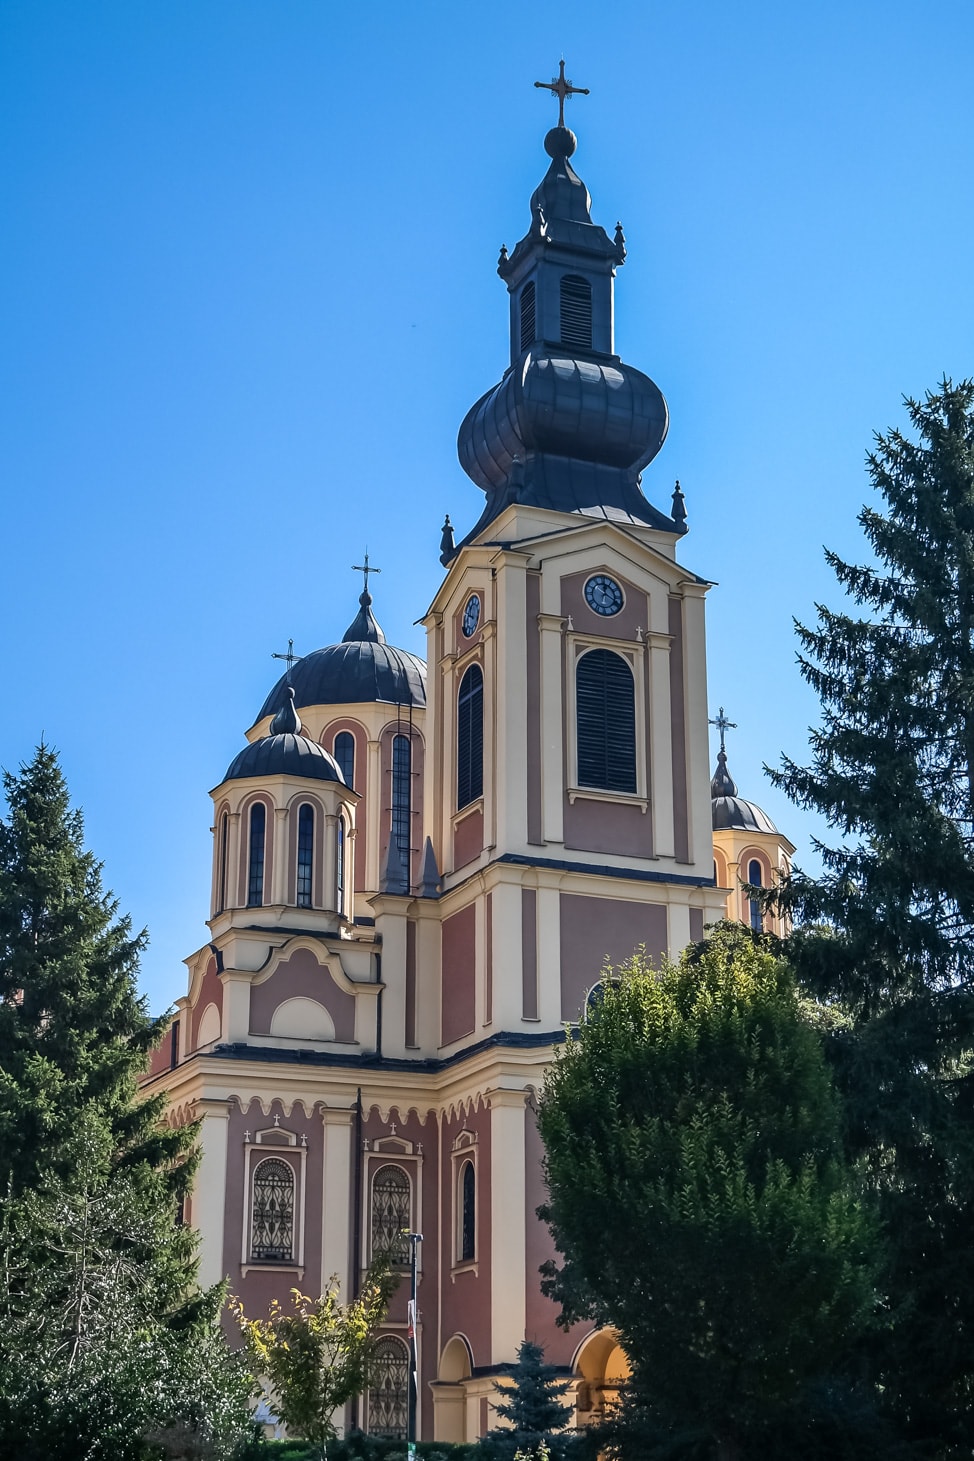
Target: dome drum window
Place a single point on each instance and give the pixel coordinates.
(755, 876)
(255, 861)
(306, 847)
(345, 756)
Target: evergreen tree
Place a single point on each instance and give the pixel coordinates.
(107, 1348)
(701, 1204)
(72, 1027)
(889, 929)
(532, 1406)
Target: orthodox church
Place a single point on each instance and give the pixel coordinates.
(421, 869)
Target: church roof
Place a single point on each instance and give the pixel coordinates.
(731, 812)
(360, 670)
(285, 752)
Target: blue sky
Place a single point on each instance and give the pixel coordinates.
(247, 287)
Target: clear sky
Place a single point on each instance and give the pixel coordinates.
(248, 292)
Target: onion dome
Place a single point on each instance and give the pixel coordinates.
(361, 670)
(285, 752)
(570, 426)
(730, 811)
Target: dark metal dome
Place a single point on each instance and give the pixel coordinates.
(285, 755)
(360, 670)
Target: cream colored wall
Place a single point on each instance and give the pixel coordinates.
(733, 849)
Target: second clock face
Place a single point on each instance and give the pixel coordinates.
(471, 615)
(603, 594)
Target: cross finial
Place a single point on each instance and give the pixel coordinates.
(290, 657)
(722, 724)
(364, 568)
(561, 88)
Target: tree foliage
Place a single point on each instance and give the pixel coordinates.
(889, 925)
(531, 1403)
(698, 1194)
(318, 1354)
(107, 1348)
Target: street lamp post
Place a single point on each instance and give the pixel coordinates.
(414, 1240)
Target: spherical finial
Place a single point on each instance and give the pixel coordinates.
(560, 142)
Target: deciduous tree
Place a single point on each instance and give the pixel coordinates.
(698, 1194)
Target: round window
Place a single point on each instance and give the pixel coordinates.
(603, 594)
(471, 615)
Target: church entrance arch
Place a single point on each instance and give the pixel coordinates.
(600, 1367)
(450, 1392)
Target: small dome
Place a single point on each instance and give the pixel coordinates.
(361, 670)
(286, 754)
(730, 812)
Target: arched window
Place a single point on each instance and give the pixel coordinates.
(221, 890)
(576, 311)
(467, 1193)
(470, 737)
(755, 877)
(272, 1213)
(389, 1390)
(402, 795)
(340, 864)
(528, 315)
(390, 1218)
(255, 870)
(605, 713)
(306, 853)
(345, 756)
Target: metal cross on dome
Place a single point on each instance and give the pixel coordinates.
(562, 89)
(290, 657)
(364, 568)
(722, 724)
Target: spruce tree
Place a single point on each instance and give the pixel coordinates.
(531, 1404)
(889, 925)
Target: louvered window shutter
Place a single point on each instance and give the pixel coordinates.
(470, 737)
(605, 701)
(527, 302)
(576, 311)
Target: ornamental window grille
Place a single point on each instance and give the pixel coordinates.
(528, 316)
(340, 864)
(755, 876)
(345, 756)
(255, 871)
(576, 311)
(402, 765)
(272, 1213)
(389, 1390)
(306, 852)
(605, 714)
(221, 892)
(470, 737)
(391, 1214)
(468, 1213)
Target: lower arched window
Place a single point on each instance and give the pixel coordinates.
(605, 715)
(272, 1213)
(389, 1390)
(467, 1247)
(390, 1216)
(255, 866)
(306, 853)
(755, 877)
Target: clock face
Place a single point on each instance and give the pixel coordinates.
(471, 615)
(603, 594)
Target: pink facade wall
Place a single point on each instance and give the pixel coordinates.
(633, 615)
(532, 590)
(466, 1290)
(301, 976)
(597, 826)
(593, 928)
(458, 1001)
(529, 953)
(211, 992)
(540, 1314)
(468, 838)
